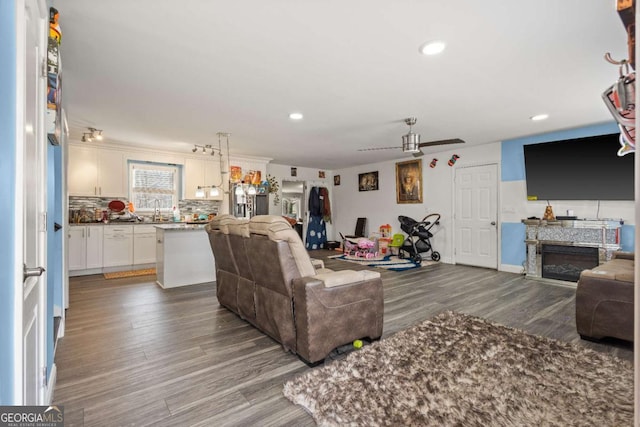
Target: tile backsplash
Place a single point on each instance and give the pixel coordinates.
(186, 207)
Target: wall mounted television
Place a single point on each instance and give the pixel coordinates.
(579, 169)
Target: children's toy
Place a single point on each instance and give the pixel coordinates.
(396, 241)
(385, 230)
(361, 248)
(417, 241)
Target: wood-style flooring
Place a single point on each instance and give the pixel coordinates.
(135, 354)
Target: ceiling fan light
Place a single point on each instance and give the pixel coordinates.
(411, 143)
(214, 192)
(199, 192)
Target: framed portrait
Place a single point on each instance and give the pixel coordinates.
(368, 181)
(320, 174)
(294, 171)
(336, 180)
(409, 181)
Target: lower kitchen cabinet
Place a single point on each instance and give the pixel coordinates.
(85, 247)
(77, 247)
(144, 244)
(96, 248)
(118, 246)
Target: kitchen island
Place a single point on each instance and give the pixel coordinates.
(183, 255)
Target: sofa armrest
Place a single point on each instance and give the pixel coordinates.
(345, 277)
(327, 317)
(317, 263)
(623, 255)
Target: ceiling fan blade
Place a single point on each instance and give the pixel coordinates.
(441, 142)
(378, 148)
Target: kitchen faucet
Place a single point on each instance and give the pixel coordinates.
(156, 210)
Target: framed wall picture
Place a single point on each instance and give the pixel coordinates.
(368, 181)
(294, 171)
(320, 174)
(336, 180)
(409, 181)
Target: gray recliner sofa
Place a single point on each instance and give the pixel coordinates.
(265, 275)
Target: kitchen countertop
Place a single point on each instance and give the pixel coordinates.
(141, 223)
(180, 227)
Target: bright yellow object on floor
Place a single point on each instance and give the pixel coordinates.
(132, 273)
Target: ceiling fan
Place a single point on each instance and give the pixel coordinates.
(411, 141)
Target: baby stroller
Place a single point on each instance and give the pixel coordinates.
(417, 241)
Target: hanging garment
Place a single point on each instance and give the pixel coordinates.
(316, 228)
(326, 205)
(315, 203)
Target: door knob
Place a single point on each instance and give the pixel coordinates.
(493, 223)
(31, 272)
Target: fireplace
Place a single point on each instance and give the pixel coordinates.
(567, 262)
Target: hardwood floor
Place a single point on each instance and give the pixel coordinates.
(135, 354)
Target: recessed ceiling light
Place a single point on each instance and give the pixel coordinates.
(539, 117)
(432, 48)
(296, 116)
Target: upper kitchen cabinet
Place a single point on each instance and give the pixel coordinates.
(204, 173)
(94, 171)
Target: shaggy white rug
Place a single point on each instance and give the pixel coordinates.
(461, 370)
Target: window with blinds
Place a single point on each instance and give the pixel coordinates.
(154, 185)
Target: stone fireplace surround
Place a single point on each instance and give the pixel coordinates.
(603, 234)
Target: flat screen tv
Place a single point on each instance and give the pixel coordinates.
(579, 169)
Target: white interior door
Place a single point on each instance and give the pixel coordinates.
(30, 195)
(476, 230)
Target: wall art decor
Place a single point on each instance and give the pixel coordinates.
(409, 181)
(368, 181)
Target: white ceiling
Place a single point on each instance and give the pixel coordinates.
(170, 74)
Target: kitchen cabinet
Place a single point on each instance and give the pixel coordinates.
(201, 172)
(76, 245)
(184, 255)
(144, 244)
(94, 171)
(118, 246)
(85, 247)
(94, 246)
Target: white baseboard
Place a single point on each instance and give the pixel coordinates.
(51, 385)
(518, 269)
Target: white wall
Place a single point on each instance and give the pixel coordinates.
(380, 207)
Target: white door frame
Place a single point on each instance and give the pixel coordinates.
(19, 244)
(498, 218)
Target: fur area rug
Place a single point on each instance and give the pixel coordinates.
(461, 370)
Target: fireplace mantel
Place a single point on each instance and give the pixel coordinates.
(599, 233)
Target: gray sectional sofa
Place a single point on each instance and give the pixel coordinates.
(265, 275)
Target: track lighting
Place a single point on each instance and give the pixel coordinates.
(206, 148)
(92, 134)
